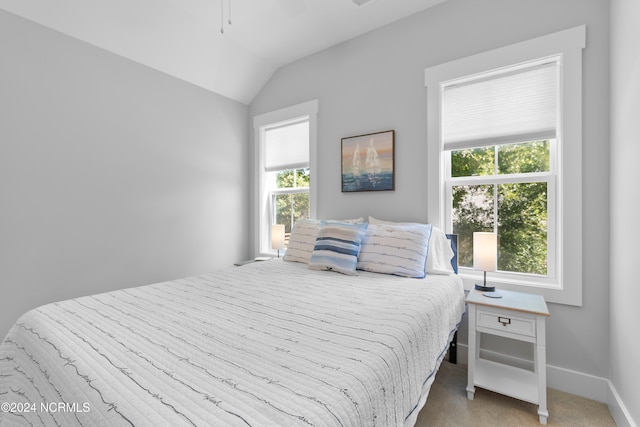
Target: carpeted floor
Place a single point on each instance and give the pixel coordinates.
(448, 405)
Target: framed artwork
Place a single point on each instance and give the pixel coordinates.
(367, 162)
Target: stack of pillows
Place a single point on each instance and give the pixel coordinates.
(402, 249)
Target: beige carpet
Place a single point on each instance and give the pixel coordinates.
(448, 405)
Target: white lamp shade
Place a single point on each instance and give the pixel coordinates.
(485, 251)
(277, 236)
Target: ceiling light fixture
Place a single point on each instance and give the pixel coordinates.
(360, 2)
(222, 15)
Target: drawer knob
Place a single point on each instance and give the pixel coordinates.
(504, 320)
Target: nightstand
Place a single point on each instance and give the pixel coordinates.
(251, 261)
(517, 316)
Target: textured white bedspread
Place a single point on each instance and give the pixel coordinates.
(266, 344)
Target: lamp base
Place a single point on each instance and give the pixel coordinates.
(483, 288)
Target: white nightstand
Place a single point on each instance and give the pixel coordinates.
(251, 261)
(517, 316)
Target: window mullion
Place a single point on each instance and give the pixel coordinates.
(495, 209)
(278, 191)
(291, 215)
(501, 179)
(496, 172)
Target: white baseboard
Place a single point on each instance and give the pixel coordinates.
(562, 379)
(618, 410)
(578, 383)
(569, 381)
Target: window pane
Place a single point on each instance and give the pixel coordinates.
(473, 162)
(472, 211)
(285, 179)
(303, 178)
(522, 227)
(523, 158)
(293, 178)
(290, 208)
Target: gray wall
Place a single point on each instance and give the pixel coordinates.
(376, 82)
(111, 174)
(625, 228)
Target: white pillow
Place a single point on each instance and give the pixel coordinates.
(440, 253)
(303, 239)
(395, 249)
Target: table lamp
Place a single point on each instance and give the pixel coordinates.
(485, 256)
(277, 237)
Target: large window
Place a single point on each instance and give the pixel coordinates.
(285, 158)
(505, 156)
(498, 168)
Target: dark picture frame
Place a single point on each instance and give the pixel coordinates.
(368, 162)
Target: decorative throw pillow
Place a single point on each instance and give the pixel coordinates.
(440, 252)
(395, 249)
(337, 247)
(303, 239)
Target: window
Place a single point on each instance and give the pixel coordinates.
(285, 157)
(504, 189)
(287, 175)
(505, 156)
(489, 185)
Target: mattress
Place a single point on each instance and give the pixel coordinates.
(267, 344)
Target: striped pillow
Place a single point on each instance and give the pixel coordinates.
(395, 249)
(303, 239)
(337, 247)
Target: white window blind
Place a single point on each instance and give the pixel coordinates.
(517, 106)
(287, 146)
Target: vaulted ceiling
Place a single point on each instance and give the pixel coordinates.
(183, 38)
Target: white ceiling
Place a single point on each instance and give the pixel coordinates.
(183, 38)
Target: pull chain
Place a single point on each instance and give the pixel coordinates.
(221, 16)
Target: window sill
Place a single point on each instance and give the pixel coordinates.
(553, 293)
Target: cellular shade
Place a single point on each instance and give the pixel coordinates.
(514, 106)
(287, 147)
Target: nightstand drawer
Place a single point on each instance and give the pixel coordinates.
(506, 321)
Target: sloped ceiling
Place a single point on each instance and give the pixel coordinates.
(183, 38)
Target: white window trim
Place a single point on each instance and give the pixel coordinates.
(569, 44)
(260, 123)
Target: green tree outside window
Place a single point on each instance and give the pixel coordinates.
(291, 206)
(516, 210)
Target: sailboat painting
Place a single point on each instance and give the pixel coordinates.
(367, 162)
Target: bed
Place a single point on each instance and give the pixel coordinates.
(271, 343)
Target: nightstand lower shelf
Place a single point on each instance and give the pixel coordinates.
(504, 379)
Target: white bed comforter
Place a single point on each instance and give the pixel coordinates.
(267, 344)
